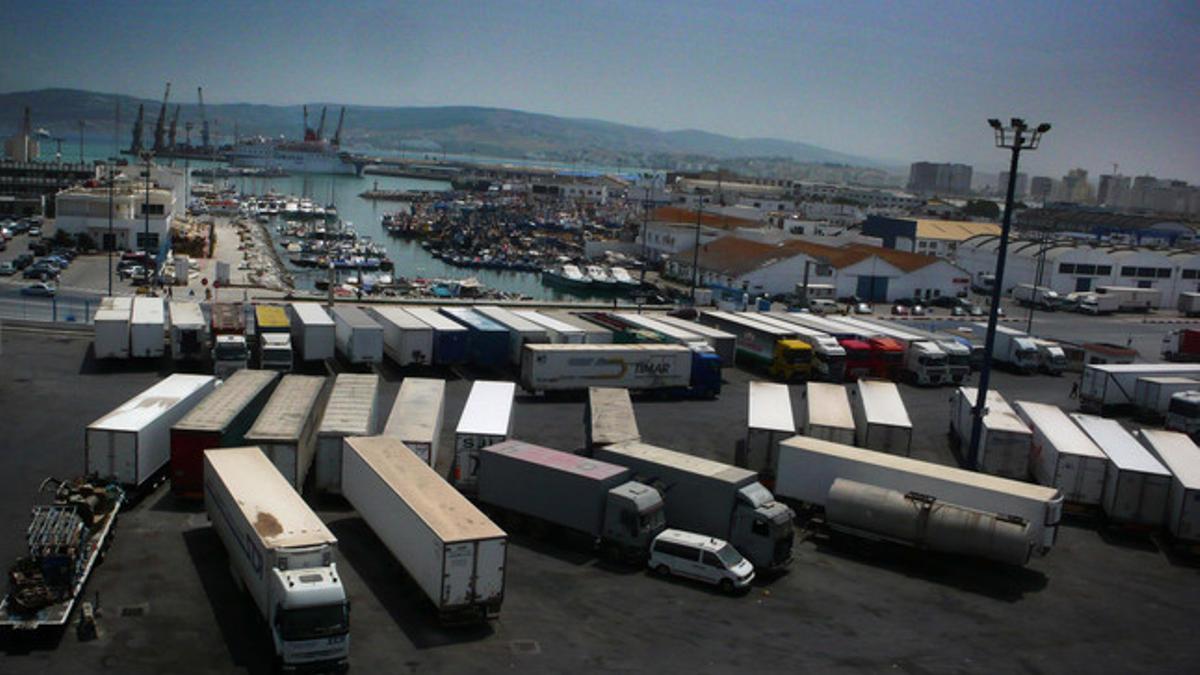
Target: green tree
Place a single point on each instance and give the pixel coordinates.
(981, 208)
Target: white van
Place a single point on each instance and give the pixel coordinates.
(699, 557)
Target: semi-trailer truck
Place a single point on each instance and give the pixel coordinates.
(111, 328)
(189, 331)
(486, 420)
(1182, 345)
(668, 369)
(147, 328)
(357, 337)
(1132, 299)
(1181, 457)
(487, 341)
(450, 339)
(312, 331)
(559, 331)
(764, 345)
(886, 356)
(881, 421)
(713, 498)
(828, 414)
(1014, 349)
(274, 332)
(281, 555)
(521, 331)
(286, 428)
(1029, 295)
(923, 363)
(1136, 484)
(1108, 387)
(829, 357)
(958, 355)
(352, 410)
(416, 417)
(230, 352)
(722, 342)
(407, 340)
(1004, 439)
(1061, 454)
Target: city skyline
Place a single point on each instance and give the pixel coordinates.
(894, 82)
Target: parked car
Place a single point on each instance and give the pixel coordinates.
(40, 288)
(958, 311)
(696, 556)
(949, 302)
(863, 308)
(23, 260)
(40, 272)
(975, 310)
(900, 310)
(131, 272)
(35, 231)
(7, 269)
(917, 310)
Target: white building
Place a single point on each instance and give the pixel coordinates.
(141, 219)
(671, 230)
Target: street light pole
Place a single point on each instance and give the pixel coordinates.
(1015, 139)
(110, 243)
(696, 250)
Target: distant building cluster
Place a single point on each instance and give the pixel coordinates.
(939, 178)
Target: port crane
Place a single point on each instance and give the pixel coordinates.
(337, 135)
(173, 128)
(321, 126)
(135, 147)
(203, 119)
(159, 126)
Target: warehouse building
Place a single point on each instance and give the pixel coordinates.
(927, 236)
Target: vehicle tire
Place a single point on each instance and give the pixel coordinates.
(726, 586)
(663, 571)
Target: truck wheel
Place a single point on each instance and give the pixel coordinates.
(726, 586)
(663, 571)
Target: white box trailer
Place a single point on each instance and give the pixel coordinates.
(1181, 456)
(770, 417)
(416, 417)
(880, 419)
(1106, 387)
(1062, 455)
(286, 429)
(407, 340)
(352, 410)
(147, 328)
(1152, 394)
(1188, 304)
(1004, 440)
(559, 332)
(670, 333)
(132, 443)
(455, 554)
(593, 334)
(486, 419)
(808, 468)
(111, 326)
(828, 414)
(312, 331)
(609, 418)
(723, 343)
(1131, 298)
(632, 366)
(521, 331)
(189, 331)
(359, 339)
(1136, 484)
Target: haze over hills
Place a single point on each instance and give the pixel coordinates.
(454, 129)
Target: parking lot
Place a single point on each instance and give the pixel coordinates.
(1099, 601)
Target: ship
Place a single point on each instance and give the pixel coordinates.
(314, 154)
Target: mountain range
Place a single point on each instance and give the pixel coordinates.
(454, 129)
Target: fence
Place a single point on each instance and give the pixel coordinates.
(53, 310)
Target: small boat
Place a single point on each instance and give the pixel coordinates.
(600, 278)
(623, 278)
(566, 276)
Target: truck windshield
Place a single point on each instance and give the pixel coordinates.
(1184, 408)
(652, 520)
(274, 355)
(307, 623)
(729, 556)
(230, 352)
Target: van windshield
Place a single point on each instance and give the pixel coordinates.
(729, 556)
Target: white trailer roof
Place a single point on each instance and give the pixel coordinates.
(489, 407)
(999, 416)
(549, 322)
(1122, 449)
(435, 320)
(1003, 329)
(354, 316)
(311, 314)
(279, 515)
(674, 332)
(137, 412)
(1058, 429)
(612, 414)
(608, 347)
(223, 404)
(822, 338)
(1148, 368)
(747, 322)
(509, 319)
(444, 509)
(771, 407)
(186, 313)
(148, 310)
(689, 463)
(829, 406)
(399, 317)
(1168, 379)
(1177, 452)
(414, 414)
(116, 308)
(697, 328)
(882, 403)
(350, 405)
(289, 408)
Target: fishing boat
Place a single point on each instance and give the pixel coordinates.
(566, 276)
(623, 278)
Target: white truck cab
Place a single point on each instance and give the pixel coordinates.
(707, 559)
(275, 351)
(229, 355)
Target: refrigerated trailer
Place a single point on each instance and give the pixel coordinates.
(592, 334)
(559, 332)
(608, 418)
(111, 328)
(416, 417)
(351, 410)
(521, 331)
(147, 327)
(220, 420)
(722, 342)
(1004, 440)
(132, 444)
(808, 468)
(665, 368)
(1110, 387)
(770, 417)
(487, 341)
(1152, 394)
(1062, 455)
(456, 555)
(189, 331)
(669, 333)
(1181, 457)
(828, 414)
(1135, 483)
(880, 419)
(359, 339)
(486, 419)
(407, 340)
(313, 331)
(449, 338)
(286, 428)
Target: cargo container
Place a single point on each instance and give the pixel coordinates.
(722, 342)
(189, 331)
(596, 499)
(1062, 455)
(1004, 440)
(1135, 484)
(770, 418)
(1182, 345)
(880, 419)
(713, 498)
(407, 340)
(286, 429)
(1152, 394)
(454, 553)
(131, 444)
(416, 417)
(609, 418)
(1181, 457)
(351, 410)
(808, 468)
(147, 328)
(220, 420)
(667, 369)
(559, 332)
(1108, 388)
(765, 346)
(828, 413)
(450, 340)
(312, 331)
(486, 419)
(359, 339)
(111, 326)
(521, 331)
(282, 555)
(487, 341)
(1188, 304)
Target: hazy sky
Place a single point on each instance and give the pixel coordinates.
(895, 80)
